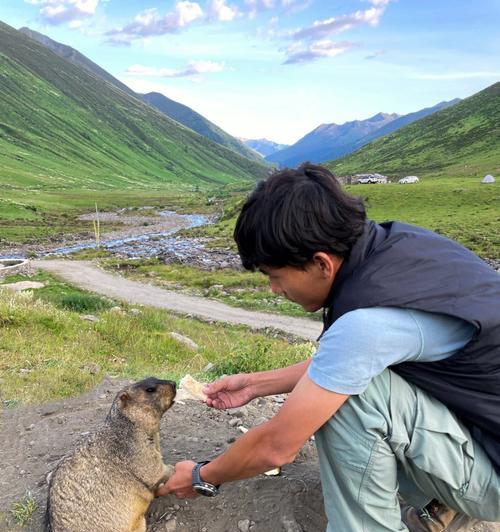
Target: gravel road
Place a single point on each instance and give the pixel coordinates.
(88, 276)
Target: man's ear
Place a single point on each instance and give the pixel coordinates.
(327, 263)
(124, 399)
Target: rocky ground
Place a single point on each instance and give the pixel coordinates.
(35, 438)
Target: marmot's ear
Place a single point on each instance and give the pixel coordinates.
(124, 399)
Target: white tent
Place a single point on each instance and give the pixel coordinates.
(488, 179)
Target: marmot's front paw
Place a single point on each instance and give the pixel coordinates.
(169, 471)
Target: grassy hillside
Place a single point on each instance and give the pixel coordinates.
(463, 140)
(62, 127)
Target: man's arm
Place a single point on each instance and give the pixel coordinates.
(281, 380)
(237, 390)
(269, 445)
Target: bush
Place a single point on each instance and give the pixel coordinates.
(83, 303)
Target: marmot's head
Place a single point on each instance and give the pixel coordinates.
(144, 402)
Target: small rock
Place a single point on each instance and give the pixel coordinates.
(135, 312)
(244, 525)
(31, 427)
(290, 525)
(237, 412)
(208, 367)
(176, 507)
(103, 396)
(234, 422)
(22, 285)
(259, 421)
(92, 368)
(193, 346)
(89, 317)
(171, 525)
(116, 310)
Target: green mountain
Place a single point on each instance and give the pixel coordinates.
(175, 110)
(462, 140)
(75, 57)
(62, 127)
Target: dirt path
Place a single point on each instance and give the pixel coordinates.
(88, 276)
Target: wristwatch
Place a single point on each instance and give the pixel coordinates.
(201, 487)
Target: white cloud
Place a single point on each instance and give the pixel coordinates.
(194, 68)
(219, 10)
(457, 75)
(324, 28)
(150, 22)
(254, 7)
(298, 54)
(61, 11)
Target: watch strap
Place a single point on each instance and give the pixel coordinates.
(196, 478)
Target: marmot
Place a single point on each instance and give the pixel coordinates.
(107, 483)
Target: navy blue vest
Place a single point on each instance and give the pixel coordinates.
(399, 265)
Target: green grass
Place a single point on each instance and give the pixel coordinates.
(460, 208)
(22, 510)
(46, 351)
(63, 295)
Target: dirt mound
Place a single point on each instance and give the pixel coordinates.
(33, 439)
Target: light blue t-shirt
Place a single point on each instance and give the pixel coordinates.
(363, 342)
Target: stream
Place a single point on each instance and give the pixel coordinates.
(143, 237)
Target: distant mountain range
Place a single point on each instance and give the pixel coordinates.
(330, 141)
(462, 139)
(177, 111)
(263, 146)
(63, 126)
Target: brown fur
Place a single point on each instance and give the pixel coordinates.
(107, 483)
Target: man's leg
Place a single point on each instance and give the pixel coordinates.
(396, 425)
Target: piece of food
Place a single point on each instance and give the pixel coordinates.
(192, 387)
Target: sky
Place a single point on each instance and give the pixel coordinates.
(277, 69)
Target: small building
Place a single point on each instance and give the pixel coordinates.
(370, 179)
(488, 179)
(409, 179)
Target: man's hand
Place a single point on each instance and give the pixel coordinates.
(180, 483)
(230, 392)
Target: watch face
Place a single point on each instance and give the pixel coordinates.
(208, 491)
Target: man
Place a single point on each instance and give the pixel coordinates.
(394, 296)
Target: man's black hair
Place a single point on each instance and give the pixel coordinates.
(294, 214)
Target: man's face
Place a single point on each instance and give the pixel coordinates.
(309, 287)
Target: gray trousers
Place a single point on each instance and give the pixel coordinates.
(396, 437)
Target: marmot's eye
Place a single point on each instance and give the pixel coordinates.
(151, 390)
